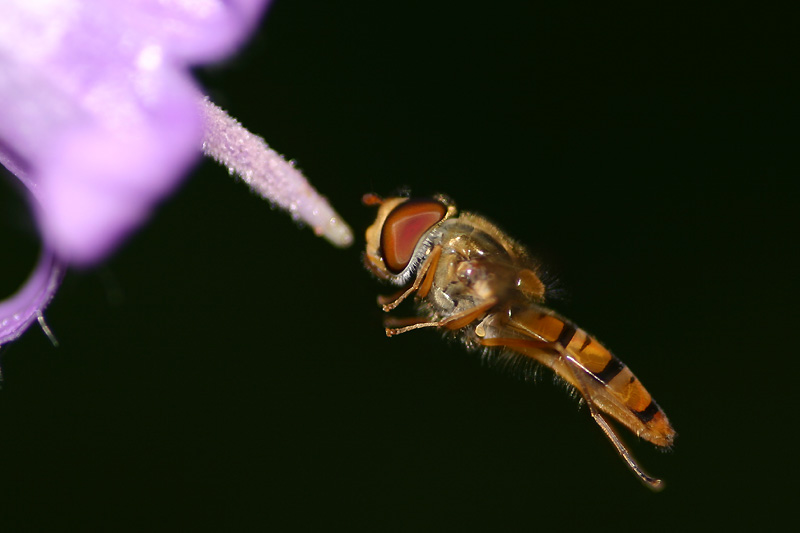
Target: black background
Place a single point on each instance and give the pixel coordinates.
(227, 369)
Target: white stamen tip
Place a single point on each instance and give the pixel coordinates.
(337, 233)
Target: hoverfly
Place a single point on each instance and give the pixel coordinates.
(472, 279)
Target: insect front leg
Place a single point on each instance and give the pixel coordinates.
(422, 283)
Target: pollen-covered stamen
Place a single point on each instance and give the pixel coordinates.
(269, 175)
(403, 229)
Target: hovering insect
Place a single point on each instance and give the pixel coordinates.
(473, 280)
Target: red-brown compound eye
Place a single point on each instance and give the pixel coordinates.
(403, 229)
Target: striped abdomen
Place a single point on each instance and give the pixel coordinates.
(607, 381)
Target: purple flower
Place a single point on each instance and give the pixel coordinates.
(100, 119)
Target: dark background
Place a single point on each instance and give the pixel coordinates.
(229, 370)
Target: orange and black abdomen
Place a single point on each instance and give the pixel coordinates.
(614, 388)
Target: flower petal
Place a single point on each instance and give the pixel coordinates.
(100, 118)
(100, 109)
(19, 311)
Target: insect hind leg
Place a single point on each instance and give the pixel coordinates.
(583, 387)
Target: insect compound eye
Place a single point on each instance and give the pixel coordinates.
(403, 229)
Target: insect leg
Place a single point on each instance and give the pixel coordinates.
(580, 381)
(422, 282)
(394, 322)
(391, 332)
(456, 321)
(430, 271)
(385, 299)
(577, 376)
(515, 343)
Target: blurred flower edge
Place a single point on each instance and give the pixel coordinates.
(101, 120)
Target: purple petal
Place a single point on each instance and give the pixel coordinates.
(100, 118)
(98, 106)
(19, 311)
